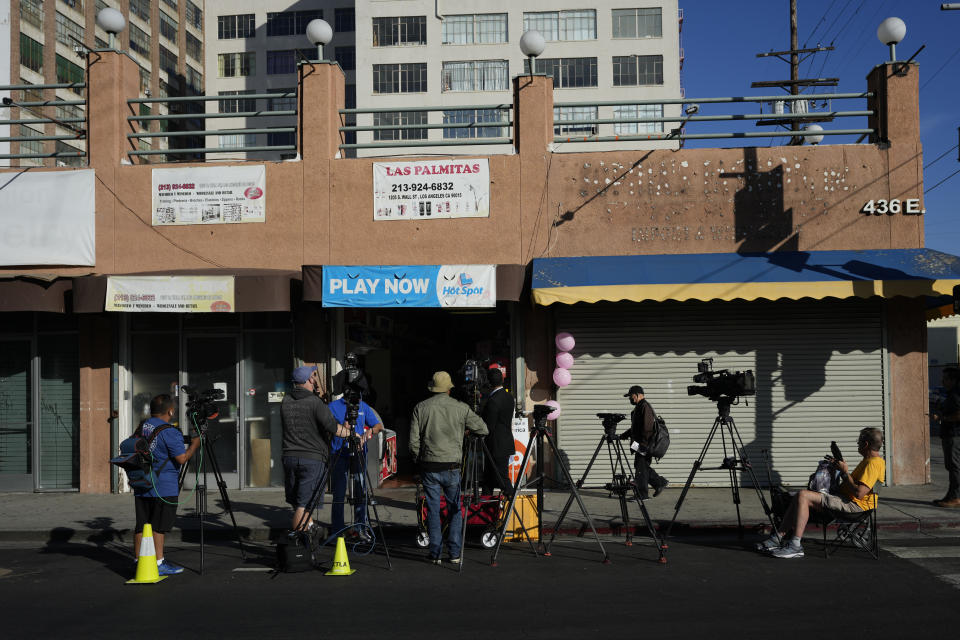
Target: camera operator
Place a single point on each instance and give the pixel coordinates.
(157, 506)
(308, 427)
(855, 495)
(366, 425)
(497, 413)
(436, 442)
(947, 412)
(642, 422)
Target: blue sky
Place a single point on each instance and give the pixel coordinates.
(721, 40)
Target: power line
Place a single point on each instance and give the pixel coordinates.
(823, 19)
(932, 162)
(942, 181)
(942, 67)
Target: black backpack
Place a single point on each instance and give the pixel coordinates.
(136, 459)
(659, 439)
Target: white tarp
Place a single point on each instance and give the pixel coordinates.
(170, 294)
(209, 195)
(458, 188)
(47, 218)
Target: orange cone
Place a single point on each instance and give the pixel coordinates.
(147, 572)
(341, 563)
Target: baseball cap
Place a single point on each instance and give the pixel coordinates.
(440, 383)
(634, 389)
(302, 374)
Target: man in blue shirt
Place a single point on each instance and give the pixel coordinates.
(367, 426)
(158, 504)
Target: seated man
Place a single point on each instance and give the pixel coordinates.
(854, 496)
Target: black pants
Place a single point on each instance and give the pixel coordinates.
(951, 460)
(646, 476)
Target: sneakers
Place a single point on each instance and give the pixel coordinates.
(168, 569)
(455, 561)
(948, 503)
(769, 545)
(433, 560)
(659, 489)
(788, 551)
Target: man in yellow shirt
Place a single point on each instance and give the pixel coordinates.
(855, 495)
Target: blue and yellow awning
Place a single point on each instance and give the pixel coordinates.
(748, 276)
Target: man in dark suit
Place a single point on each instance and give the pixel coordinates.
(498, 414)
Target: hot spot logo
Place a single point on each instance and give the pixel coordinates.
(461, 285)
(253, 193)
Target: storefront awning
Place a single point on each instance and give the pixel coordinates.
(732, 276)
(34, 293)
(254, 289)
(510, 281)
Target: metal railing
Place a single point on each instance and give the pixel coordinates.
(186, 118)
(34, 108)
(475, 131)
(684, 119)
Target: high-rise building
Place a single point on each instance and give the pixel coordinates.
(165, 37)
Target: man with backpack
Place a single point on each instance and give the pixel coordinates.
(156, 504)
(643, 423)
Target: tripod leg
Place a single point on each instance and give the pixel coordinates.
(371, 503)
(749, 469)
(566, 507)
(693, 471)
(513, 499)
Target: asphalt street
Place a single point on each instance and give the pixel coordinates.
(713, 585)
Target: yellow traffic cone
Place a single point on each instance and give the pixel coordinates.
(147, 572)
(341, 563)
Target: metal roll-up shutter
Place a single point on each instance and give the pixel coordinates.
(819, 367)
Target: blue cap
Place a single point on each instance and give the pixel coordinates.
(302, 374)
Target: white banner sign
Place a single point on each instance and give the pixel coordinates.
(209, 195)
(170, 294)
(47, 217)
(431, 189)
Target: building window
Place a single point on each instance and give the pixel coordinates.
(473, 117)
(400, 118)
(629, 111)
(68, 161)
(30, 146)
(579, 24)
(475, 75)
(73, 4)
(239, 26)
(194, 15)
(282, 139)
(144, 80)
(396, 31)
(575, 113)
(288, 103)
(238, 141)
(67, 111)
(168, 60)
(346, 57)
(631, 71)
(194, 47)
(68, 32)
(172, 4)
(31, 53)
(567, 72)
(235, 65)
(194, 80)
(141, 9)
(139, 40)
(483, 28)
(637, 23)
(68, 72)
(168, 27)
(400, 78)
(291, 23)
(343, 20)
(241, 105)
(31, 12)
(286, 61)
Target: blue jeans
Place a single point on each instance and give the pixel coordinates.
(447, 484)
(347, 464)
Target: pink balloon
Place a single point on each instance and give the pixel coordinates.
(565, 341)
(561, 377)
(564, 360)
(553, 415)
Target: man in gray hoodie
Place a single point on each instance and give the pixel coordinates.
(436, 443)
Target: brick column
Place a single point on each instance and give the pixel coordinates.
(95, 359)
(532, 136)
(112, 79)
(321, 96)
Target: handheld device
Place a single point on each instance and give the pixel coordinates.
(835, 450)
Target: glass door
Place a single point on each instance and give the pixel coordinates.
(211, 361)
(16, 416)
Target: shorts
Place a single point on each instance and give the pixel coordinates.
(838, 503)
(300, 478)
(158, 514)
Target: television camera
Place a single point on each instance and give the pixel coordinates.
(201, 406)
(719, 384)
(610, 422)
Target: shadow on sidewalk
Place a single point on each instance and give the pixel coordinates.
(108, 547)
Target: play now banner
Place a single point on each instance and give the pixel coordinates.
(446, 285)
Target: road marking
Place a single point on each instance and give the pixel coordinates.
(253, 569)
(5, 572)
(951, 578)
(915, 553)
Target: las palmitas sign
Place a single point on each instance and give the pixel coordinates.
(431, 189)
(448, 285)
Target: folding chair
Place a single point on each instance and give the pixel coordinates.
(858, 529)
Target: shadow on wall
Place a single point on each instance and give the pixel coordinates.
(761, 223)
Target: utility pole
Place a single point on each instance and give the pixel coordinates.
(793, 85)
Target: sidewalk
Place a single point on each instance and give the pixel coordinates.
(263, 515)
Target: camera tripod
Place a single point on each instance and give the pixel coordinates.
(538, 436)
(737, 462)
(623, 482)
(208, 454)
(351, 447)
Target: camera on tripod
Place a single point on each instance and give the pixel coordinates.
(610, 422)
(717, 384)
(201, 405)
(472, 384)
